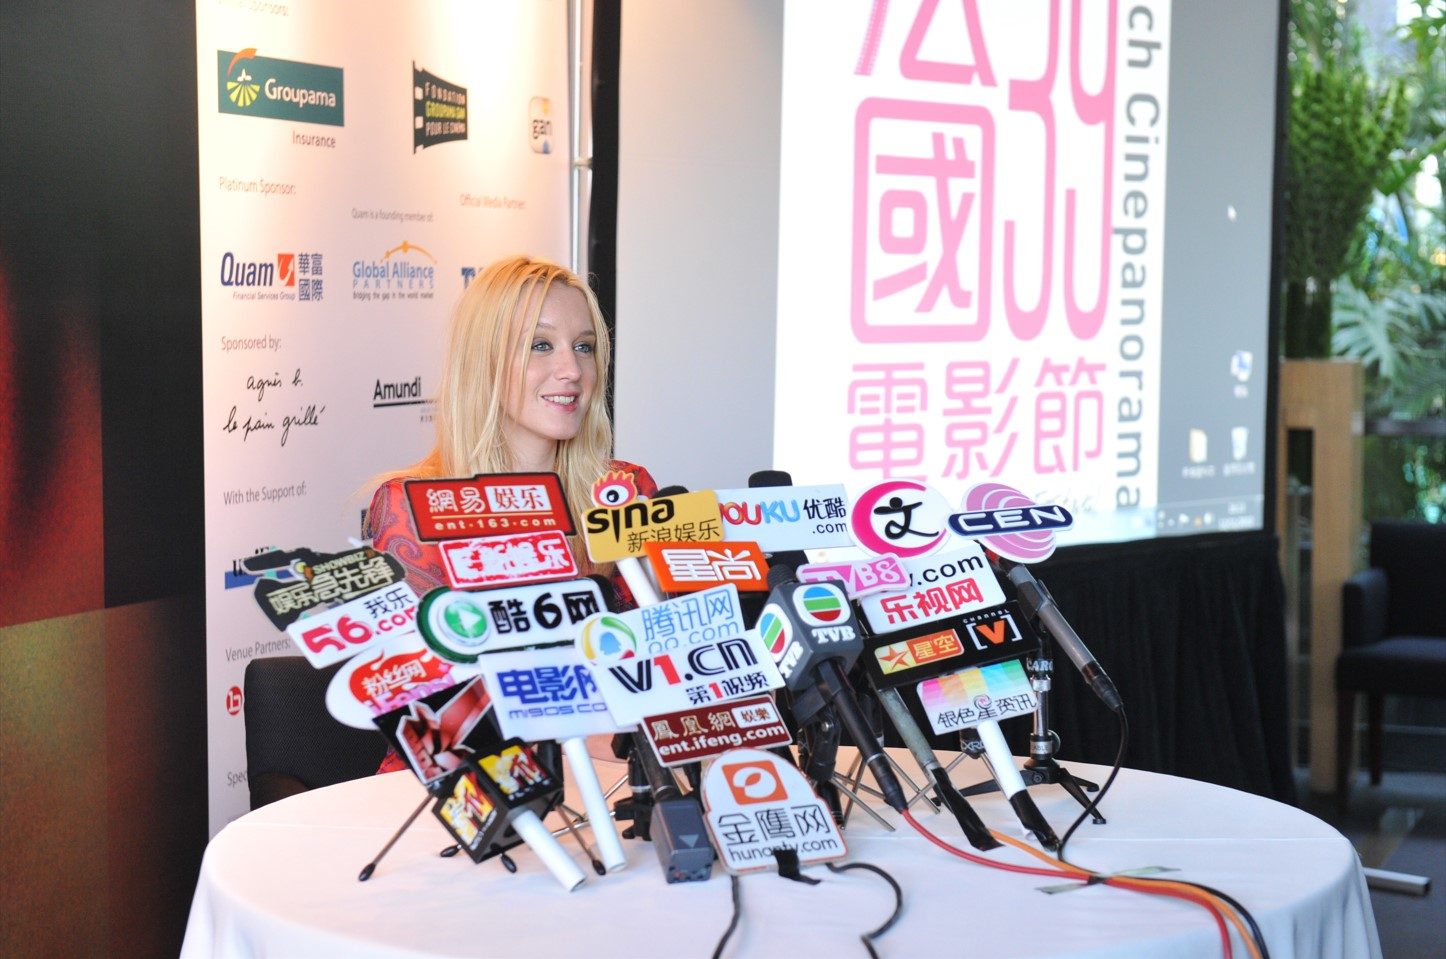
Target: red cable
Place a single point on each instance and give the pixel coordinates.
(1119, 883)
(1181, 894)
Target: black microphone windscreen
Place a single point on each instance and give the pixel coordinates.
(769, 478)
(672, 490)
(778, 575)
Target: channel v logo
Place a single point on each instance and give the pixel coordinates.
(638, 679)
(994, 632)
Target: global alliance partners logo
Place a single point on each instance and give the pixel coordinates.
(252, 85)
(406, 271)
(439, 110)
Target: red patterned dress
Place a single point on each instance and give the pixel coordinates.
(390, 527)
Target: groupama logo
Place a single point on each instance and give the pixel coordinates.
(241, 90)
(252, 85)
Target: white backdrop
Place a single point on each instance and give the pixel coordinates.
(307, 207)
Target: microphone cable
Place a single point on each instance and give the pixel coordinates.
(1091, 808)
(1217, 912)
(737, 915)
(867, 938)
(1220, 906)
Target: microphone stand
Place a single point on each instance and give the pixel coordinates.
(1041, 769)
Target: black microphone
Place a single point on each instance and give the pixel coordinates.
(767, 478)
(678, 832)
(810, 630)
(1035, 597)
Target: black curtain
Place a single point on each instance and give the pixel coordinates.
(602, 219)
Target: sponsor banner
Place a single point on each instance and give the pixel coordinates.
(757, 802)
(636, 686)
(439, 110)
(687, 567)
(488, 505)
(354, 627)
(545, 694)
(973, 639)
(900, 517)
(968, 698)
(956, 582)
(330, 254)
(781, 518)
(616, 532)
(394, 673)
(691, 735)
(876, 575)
(698, 617)
(461, 624)
(389, 393)
(326, 578)
(515, 558)
(290, 276)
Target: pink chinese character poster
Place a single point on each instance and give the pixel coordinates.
(971, 248)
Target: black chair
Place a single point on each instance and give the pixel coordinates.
(292, 743)
(1394, 620)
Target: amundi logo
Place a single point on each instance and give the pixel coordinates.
(253, 85)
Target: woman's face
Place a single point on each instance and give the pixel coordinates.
(558, 379)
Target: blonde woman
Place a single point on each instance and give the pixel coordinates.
(522, 391)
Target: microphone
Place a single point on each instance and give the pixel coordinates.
(811, 631)
(1018, 530)
(762, 479)
(676, 827)
(906, 627)
(974, 829)
(1035, 597)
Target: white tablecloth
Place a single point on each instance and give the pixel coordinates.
(281, 881)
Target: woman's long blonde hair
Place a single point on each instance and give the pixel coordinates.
(492, 328)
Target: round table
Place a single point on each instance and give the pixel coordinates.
(282, 881)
